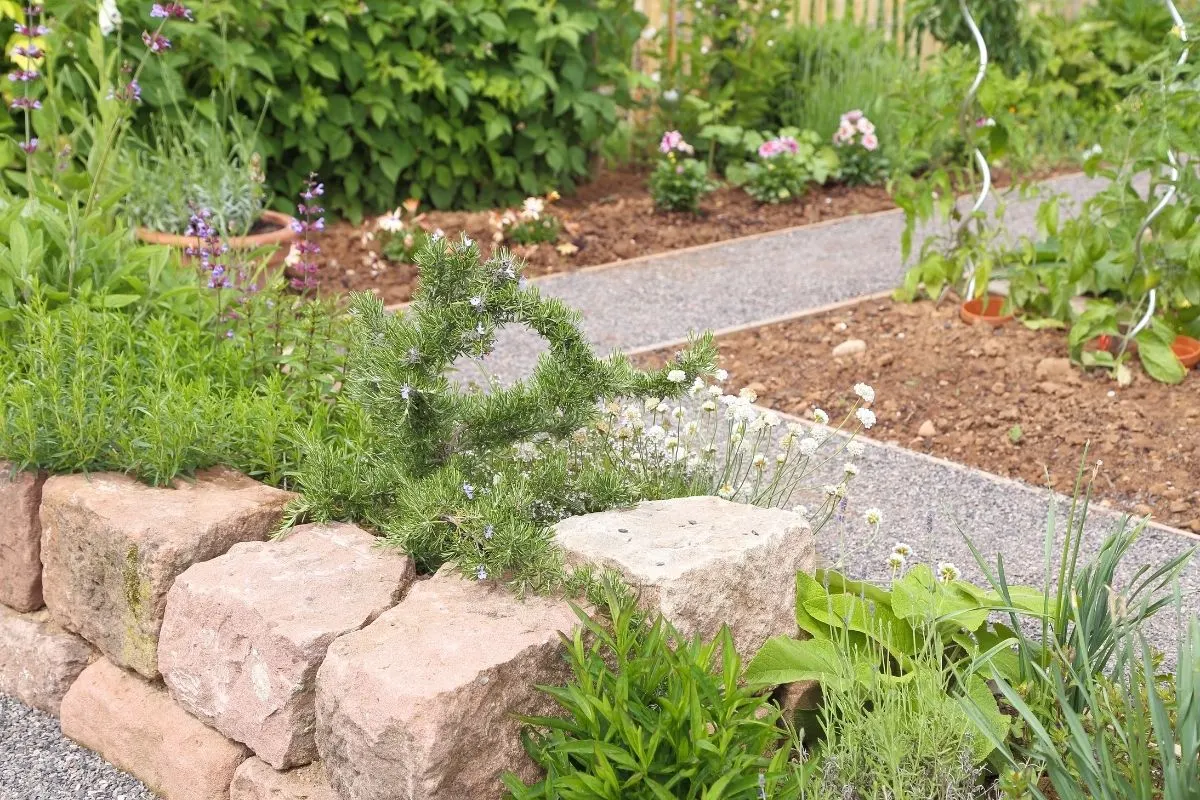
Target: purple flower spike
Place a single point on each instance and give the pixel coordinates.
(30, 147)
(27, 103)
(23, 75)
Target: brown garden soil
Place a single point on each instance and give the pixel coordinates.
(1004, 400)
(609, 219)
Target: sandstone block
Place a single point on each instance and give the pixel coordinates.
(702, 561)
(244, 633)
(135, 725)
(39, 660)
(112, 547)
(20, 538)
(418, 705)
(255, 780)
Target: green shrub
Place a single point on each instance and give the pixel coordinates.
(472, 103)
(650, 714)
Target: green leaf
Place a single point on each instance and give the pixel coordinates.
(1159, 361)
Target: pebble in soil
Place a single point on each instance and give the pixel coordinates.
(1004, 400)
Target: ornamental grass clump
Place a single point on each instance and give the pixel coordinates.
(679, 181)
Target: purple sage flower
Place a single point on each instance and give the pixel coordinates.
(310, 222)
(156, 42)
(30, 147)
(469, 491)
(170, 11)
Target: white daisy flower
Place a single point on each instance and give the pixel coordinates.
(902, 548)
(895, 562)
(820, 416)
(808, 446)
(856, 449)
(874, 516)
(866, 416)
(677, 376)
(851, 470)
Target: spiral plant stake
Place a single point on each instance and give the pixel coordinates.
(980, 159)
(1164, 201)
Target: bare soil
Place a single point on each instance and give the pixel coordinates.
(609, 219)
(1004, 400)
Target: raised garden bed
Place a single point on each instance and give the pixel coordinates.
(212, 663)
(1005, 399)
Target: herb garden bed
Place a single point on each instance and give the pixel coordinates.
(1004, 400)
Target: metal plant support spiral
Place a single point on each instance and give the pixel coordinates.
(1164, 201)
(980, 159)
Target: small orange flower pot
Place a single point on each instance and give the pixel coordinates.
(1187, 350)
(279, 232)
(984, 310)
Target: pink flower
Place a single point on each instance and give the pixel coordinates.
(870, 141)
(985, 122)
(673, 141)
(865, 125)
(845, 134)
(852, 116)
(788, 143)
(769, 149)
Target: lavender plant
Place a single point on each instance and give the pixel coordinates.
(679, 181)
(186, 164)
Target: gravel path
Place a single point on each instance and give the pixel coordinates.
(663, 297)
(37, 763)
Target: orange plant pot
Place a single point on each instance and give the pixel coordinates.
(281, 235)
(1187, 350)
(984, 310)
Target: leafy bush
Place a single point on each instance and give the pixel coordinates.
(651, 715)
(458, 104)
(1002, 22)
(189, 164)
(786, 166)
(679, 182)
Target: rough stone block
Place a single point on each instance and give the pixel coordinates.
(245, 632)
(138, 727)
(419, 704)
(20, 538)
(112, 547)
(255, 780)
(39, 660)
(702, 561)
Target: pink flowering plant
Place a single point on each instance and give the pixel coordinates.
(857, 142)
(785, 165)
(679, 181)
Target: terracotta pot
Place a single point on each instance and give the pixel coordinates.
(281, 235)
(1187, 350)
(986, 310)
